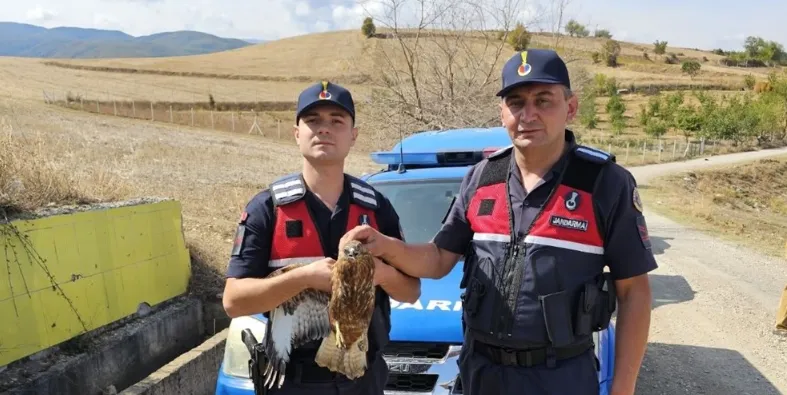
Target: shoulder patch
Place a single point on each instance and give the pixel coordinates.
(287, 189)
(362, 193)
(593, 155)
(501, 152)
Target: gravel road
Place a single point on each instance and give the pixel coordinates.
(714, 307)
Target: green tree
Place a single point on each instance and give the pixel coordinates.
(691, 67)
(588, 116)
(656, 128)
(519, 38)
(687, 120)
(368, 29)
(616, 108)
(576, 29)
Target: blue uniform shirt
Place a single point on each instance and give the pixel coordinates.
(252, 260)
(626, 253)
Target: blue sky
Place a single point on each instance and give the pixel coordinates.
(703, 24)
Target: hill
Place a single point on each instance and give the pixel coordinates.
(408, 81)
(23, 40)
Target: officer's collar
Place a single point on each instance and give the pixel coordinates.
(554, 171)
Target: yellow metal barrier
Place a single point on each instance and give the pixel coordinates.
(71, 273)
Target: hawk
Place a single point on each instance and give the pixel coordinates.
(340, 318)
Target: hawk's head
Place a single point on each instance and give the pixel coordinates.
(353, 249)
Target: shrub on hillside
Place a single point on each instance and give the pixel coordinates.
(610, 52)
(519, 38)
(659, 47)
(749, 81)
(603, 33)
(368, 29)
(691, 67)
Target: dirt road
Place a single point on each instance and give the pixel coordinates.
(714, 307)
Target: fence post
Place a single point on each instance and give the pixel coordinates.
(674, 147)
(171, 120)
(232, 115)
(644, 148)
(627, 150)
(152, 118)
(192, 116)
(212, 124)
(115, 107)
(133, 108)
(98, 107)
(81, 104)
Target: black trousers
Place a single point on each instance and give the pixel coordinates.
(371, 383)
(480, 376)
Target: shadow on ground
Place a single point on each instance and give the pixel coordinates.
(679, 369)
(668, 290)
(659, 244)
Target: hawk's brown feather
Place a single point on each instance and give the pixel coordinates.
(350, 312)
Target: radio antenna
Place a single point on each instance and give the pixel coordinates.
(401, 150)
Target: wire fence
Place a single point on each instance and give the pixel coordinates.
(273, 119)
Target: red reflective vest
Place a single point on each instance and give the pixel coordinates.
(295, 236)
(532, 292)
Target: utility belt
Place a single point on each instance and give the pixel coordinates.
(569, 317)
(529, 358)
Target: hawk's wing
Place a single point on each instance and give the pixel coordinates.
(297, 321)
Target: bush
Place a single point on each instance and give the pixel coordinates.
(749, 81)
(691, 67)
(672, 58)
(519, 38)
(659, 47)
(610, 52)
(603, 33)
(368, 29)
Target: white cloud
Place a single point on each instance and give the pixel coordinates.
(696, 25)
(40, 14)
(302, 8)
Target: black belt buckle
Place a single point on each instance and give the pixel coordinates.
(508, 357)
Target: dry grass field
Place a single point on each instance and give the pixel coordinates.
(50, 155)
(743, 203)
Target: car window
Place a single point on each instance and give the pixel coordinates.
(421, 205)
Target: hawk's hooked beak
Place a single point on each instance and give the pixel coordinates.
(351, 252)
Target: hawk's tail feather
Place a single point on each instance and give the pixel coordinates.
(350, 362)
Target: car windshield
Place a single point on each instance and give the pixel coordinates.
(421, 205)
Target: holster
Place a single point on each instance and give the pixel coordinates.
(570, 316)
(258, 361)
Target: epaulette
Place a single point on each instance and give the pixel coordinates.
(501, 152)
(287, 189)
(362, 193)
(593, 155)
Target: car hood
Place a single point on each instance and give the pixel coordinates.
(436, 316)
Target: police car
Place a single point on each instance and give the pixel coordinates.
(421, 176)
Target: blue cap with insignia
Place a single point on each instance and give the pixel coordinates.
(325, 92)
(534, 65)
